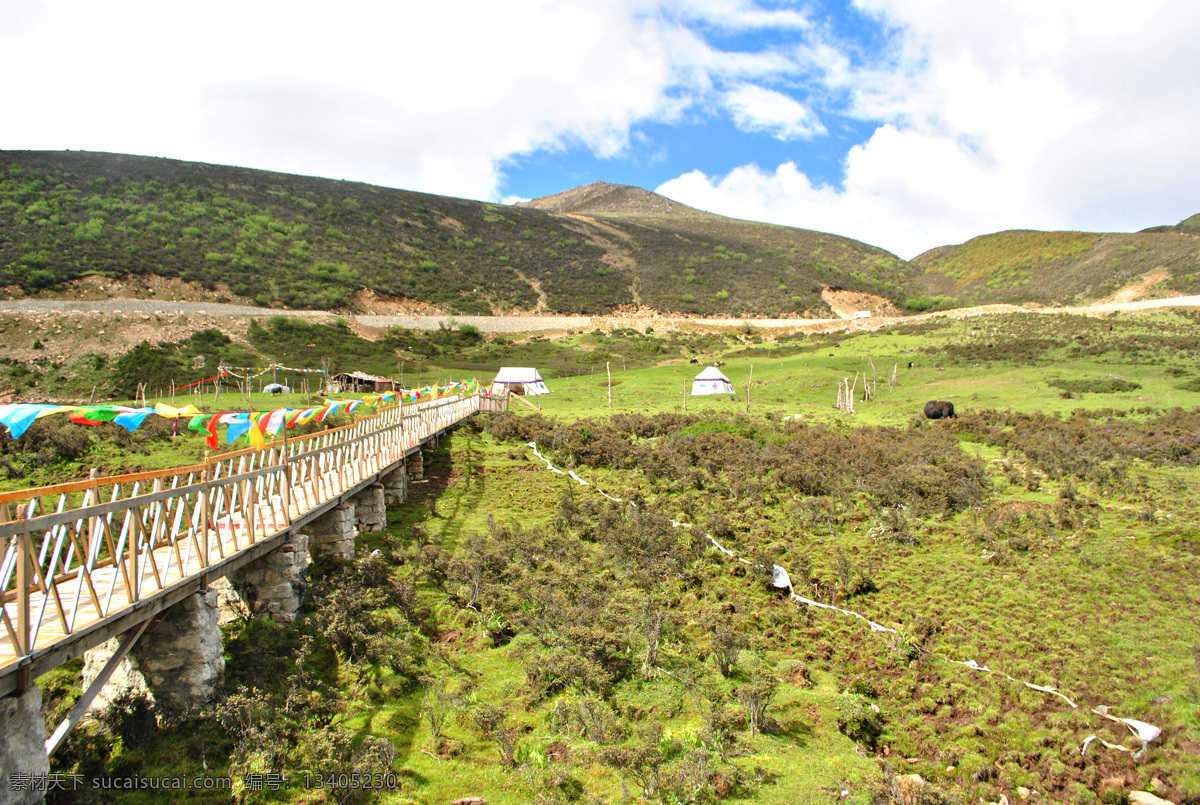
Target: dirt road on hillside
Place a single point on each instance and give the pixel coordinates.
(526, 324)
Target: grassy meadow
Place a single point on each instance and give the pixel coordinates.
(522, 639)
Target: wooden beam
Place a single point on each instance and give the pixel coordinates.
(85, 701)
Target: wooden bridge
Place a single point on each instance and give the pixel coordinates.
(93, 559)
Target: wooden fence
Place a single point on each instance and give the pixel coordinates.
(83, 552)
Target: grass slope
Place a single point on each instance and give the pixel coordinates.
(1048, 533)
(709, 258)
(1057, 268)
(303, 242)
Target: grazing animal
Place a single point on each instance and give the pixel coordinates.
(275, 391)
(693, 360)
(940, 409)
(910, 363)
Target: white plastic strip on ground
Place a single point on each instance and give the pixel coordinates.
(780, 579)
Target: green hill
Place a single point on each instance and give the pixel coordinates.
(1060, 267)
(302, 242)
(703, 255)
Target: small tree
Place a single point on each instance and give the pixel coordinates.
(489, 721)
(641, 764)
(755, 695)
(440, 703)
(726, 643)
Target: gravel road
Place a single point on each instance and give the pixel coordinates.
(524, 324)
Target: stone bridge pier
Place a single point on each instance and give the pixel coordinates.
(177, 663)
(370, 508)
(333, 532)
(274, 585)
(415, 465)
(22, 747)
(395, 487)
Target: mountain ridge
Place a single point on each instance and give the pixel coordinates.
(279, 240)
(303, 242)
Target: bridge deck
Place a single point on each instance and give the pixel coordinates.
(87, 560)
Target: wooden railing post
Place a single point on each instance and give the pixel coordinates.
(93, 522)
(24, 574)
(204, 513)
(287, 479)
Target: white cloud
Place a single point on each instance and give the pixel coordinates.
(430, 96)
(989, 114)
(997, 114)
(758, 109)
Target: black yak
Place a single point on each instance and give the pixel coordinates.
(939, 409)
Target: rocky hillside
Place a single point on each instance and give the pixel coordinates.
(277, 240)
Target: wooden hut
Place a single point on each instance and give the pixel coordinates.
(353, 382)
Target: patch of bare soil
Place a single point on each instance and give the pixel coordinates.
(151, 286)
(365, 330)
(634, 312)
(846, 303)
(65, 337)
(1140, 289)
(371, 302)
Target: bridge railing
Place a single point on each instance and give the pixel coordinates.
(81, 552)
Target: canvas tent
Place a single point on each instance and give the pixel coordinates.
(711, 381)
(519, 380)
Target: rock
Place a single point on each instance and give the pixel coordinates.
(125, 679)
(1024, 793)
(1146, 798)
(909, 788)
(22, 747)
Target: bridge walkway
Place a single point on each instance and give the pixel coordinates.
(91, 559)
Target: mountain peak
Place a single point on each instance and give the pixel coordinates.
(602, 197)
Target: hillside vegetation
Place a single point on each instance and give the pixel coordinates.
(513, 635)
(710, 259)
(1060, 268)
(302, 242)
(277, 240)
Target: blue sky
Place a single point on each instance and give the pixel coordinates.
(904, 123)
(661, 152)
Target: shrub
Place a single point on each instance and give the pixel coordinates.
(1107, 385)
(861, 723)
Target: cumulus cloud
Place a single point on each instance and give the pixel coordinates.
(996, 115)
(436, 97)
(758, 109)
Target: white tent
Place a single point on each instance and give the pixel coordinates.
(711, 381)
(520, 380)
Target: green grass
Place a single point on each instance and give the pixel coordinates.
(1077, 568)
